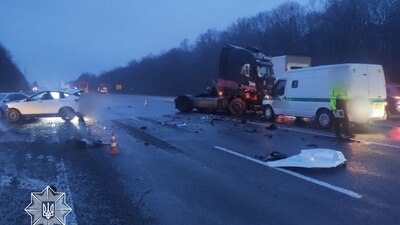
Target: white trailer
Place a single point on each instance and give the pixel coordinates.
(285, 63)
(306, 93)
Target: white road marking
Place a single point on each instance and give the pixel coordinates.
(63, 185)
(298, 175)
(331, 136)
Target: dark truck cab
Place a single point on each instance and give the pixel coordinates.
(245, 77)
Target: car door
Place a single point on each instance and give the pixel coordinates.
(32, 105)
(279, 103)
(53, 104)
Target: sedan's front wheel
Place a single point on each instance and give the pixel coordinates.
(67, 114)
(13, 115)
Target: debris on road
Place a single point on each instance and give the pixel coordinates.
(181, 125)
(76, 143)
(250, 130)
(143, 127)
(276, 156)
(312, 158)
(271, 127)
(271, 157)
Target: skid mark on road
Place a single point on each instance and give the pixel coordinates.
(298, 175)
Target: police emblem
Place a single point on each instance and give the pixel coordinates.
(48, 207)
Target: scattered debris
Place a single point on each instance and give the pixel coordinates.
(146, 143)
(271, 127)
(312, 158)
(273, 156)
(76, 143)
(268, 135)
(181, 125)
(251, 131)
(143, 127)
(129, 106)
(243, 121)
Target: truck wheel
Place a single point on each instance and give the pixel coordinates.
(324, 118)
(184, 104)
(237, 107)
(13, 115)
(269, 113)
(67, 114)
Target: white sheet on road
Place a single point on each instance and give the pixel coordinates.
(312, 158)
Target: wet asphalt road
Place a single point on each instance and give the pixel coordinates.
(195, 168)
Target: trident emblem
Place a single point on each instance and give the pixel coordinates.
(48, 210)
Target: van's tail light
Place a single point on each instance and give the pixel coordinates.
(396, 97)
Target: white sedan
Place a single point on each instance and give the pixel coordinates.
(60, 103)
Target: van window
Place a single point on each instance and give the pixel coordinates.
(279, 88)
(295, 84)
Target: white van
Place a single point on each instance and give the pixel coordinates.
(306, 93)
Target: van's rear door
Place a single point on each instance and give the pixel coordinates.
(377, 90)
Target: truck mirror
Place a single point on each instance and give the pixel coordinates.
(245, 70)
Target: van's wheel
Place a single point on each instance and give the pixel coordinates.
(237, 107)
(184, 104)
(13, 115)
(324, 118)
(269, 113)
(67, 114)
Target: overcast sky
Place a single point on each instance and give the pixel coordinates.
(56, 40)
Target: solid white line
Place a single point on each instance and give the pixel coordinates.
(331, 136)
(298, 175)
(63, 184)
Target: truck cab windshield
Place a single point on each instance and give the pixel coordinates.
(263, 71)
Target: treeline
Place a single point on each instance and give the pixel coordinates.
(330, 31)
(11, 78)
